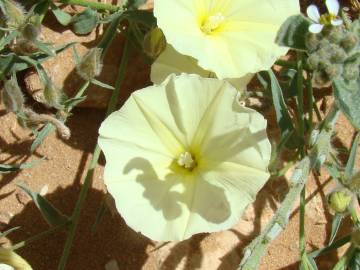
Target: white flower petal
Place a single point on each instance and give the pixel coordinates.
(172, 62)
(313, 13)
(333, 6)
(337, 22)
(147, 184)
(216, 52)
(316, 28)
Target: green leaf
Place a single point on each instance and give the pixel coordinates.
(8, 168)
(335, 225)
(40, 137)
(354, 263)
(4, 41)
(293, 31)
(84, 22)
(72, 102)
(62, 17)
(347, 98)
(52, 215)
(336, 244)
(282, 115)
(101, 84)
(349, 169)
(333, 171)
(45, 48)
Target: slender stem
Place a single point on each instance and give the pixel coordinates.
(300, 95)
(89, 176)
(354, 216)
(317, 112)
(311, 101)
(302, 223)
(94, 5)
(39, 236)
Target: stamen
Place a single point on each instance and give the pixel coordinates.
(186, 160)
(212, 23)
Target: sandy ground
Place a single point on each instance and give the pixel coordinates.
(62, 172)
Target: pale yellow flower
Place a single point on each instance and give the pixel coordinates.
(10, 260)
(184, 157)
(172, 62)
(229, 37)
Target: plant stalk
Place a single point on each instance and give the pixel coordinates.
(94, 5)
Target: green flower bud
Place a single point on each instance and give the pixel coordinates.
(338, 54)
(339, 200)
(320, 79)
(334, 71)
(312, 42)
(351, 71)
(12, 96)
(313, 61)
(14, 13)
(349, 41)
(91, 64)
(154, 43)
(30, 31)
(335, 35)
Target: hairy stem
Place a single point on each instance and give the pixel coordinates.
(254, 252)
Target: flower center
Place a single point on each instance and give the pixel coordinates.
(326, 19)
(212, 23)
(186, 160)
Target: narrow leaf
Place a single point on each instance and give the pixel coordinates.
(52, 215)
(349, 169)
(8, 168)
(40, 137)
(335, 225)
(6, 233)
(101, 84)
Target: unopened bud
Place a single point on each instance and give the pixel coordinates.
(91, 64)
(12, 96)
(335, 35)
(339, 201)
(338, 54)
(30, 31)
(154, 42)
(53, 96)
(313, 61)
(334, 71)
(312, 42)
(349, 41)
(14, 13)
(351, 71)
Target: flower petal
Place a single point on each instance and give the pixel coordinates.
(216, 52)
(337, 22)
(313, 13)
(316, 28)
(13, 260)
(172, 62)
(333, 6)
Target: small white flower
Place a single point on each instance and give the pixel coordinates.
(330, 18)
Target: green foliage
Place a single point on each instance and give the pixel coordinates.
(52, 215)
(84, 22)
(62, 17)
(293, 31)
(347, 96)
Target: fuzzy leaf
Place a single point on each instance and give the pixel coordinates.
(52, 215)
(40, 137)
(293, 31)
(62, 17)
(84, 22)
(347, 97)
(349, 169)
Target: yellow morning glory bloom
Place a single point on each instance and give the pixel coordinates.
(172, 62)
(229, 37)
(184, 157)
(9, 260)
